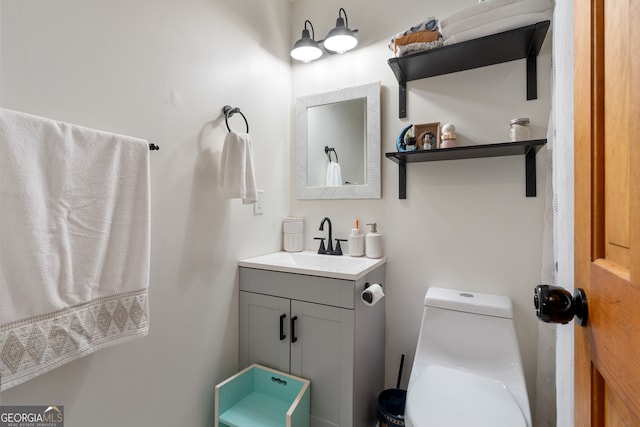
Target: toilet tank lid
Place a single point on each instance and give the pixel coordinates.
(469, 302)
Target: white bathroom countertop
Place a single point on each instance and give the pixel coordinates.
(310, 263)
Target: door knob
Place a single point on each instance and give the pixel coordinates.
(556, 305)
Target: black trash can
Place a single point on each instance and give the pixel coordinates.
(391, 407)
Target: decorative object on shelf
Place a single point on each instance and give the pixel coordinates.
(519, 129)
(405, 133)
(339, 40)
(449, 131)
(449, 138)
(410, 141)
(428, 135)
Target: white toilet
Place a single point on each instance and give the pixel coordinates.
(467, 369)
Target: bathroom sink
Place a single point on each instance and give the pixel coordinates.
(313, 264)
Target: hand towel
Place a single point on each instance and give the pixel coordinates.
(74, 252)
(334, 175)
(496, 15)
(237, 177)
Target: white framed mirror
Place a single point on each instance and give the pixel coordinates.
(338, 144)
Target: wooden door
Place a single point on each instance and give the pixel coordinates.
(607, 211)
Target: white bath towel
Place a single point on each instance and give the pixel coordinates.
(334, 175)
(474, 10)
(499, 26)
(74, 246)
(498, 15)
(237, 177)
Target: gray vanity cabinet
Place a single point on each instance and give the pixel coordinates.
(317, 328)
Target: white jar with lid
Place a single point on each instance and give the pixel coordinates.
(293, 234)
(519, 129)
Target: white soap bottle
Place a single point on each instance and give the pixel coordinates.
(356, 242)
(373, 242)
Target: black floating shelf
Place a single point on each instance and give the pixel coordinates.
(524, 42)
(527, 148)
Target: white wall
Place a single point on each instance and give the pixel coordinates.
(163, 70)
(466, 223)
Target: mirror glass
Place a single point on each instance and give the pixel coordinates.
(338, 144)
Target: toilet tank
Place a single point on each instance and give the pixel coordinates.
(468, 330)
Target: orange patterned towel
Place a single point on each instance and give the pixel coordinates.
(419, 37)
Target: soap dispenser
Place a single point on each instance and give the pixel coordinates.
(356, 242)
(373, 243)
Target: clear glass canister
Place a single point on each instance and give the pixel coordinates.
(519, 129)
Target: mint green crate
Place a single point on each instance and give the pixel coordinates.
(262, 397)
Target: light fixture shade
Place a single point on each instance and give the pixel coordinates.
(306, 49)
(340, 39)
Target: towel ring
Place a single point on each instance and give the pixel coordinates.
(229, 112)
(328, 150)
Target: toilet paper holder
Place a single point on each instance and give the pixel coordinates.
(372, 296)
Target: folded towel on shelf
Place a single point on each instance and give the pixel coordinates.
(430, 24)
(497, 15)
(334, 175)
(474, 10)
(422, 37)
(74, 252)
(417, 47)
(237, 177)
(499, 26)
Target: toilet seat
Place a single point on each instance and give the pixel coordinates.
(449, 397)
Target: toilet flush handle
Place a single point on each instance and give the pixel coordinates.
(556, 305)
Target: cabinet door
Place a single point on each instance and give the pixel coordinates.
(322, 350)
(264, 330)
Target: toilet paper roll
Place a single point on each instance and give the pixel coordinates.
(371, 295)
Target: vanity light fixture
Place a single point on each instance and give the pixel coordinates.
(341, 39)
(306, 49)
